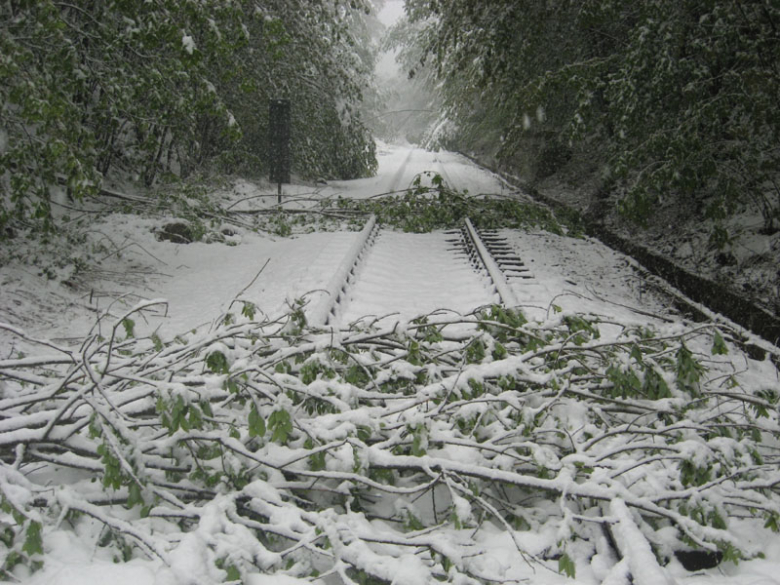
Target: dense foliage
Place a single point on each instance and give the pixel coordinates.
(169, 87)
(321, 59)
(361, 455)
(675, 100)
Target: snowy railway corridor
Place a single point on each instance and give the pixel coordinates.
(252, 334)
(387, 276)
(412, 275)
(346, 402)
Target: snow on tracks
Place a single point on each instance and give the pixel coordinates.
(321, 313)
(414, 274)
(498, 278)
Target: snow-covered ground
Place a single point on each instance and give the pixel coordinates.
(400, 165)
(201, 280)
(418, 283)
(746, 262)
(401, 276)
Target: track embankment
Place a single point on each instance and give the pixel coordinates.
(711, 295)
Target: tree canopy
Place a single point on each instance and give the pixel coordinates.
(171, 86)
(673, 99)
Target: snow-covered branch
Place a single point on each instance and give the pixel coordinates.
(365, 454)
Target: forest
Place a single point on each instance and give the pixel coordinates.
(669, 102)
(160, 90)
(565, 418)
(665, 103)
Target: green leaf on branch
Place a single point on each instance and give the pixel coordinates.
(231, 385)
(134, 495)
(217, 363)
(499, 352)
(688, 371)
(772, 522)
(280, 426)
(731, 554)
(625, 384)
(566, 566)
(33, 541)
(582, 326)
(112, 468)
(129, 326)
(196, 417)
(692, 474)
(419, 441)
(413, 356)
(475, 352)
(316, 460)
(256, 423)
(310, 371)
(249, 310)
(233, 574)
(719, 345)
(412, 522)
(655, 386)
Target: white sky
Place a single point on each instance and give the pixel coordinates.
(393, 10)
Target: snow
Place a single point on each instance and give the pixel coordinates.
(386, 67)
(401, 276)
(318, 314)
(635, 548)
(429, 282)
(747, 263)
(582, 275)
(69, 569)
(201, 280)
(391, 12)
(188, 43)
(399, 165)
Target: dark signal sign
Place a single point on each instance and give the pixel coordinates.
(279, 141)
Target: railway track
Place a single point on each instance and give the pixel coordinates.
(460, 270)
(471, 268)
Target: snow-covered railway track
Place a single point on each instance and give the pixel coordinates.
(416, 274)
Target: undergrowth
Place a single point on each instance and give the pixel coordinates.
(439, 207)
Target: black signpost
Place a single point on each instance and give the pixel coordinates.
(279, 142)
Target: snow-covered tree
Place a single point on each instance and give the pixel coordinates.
(167, 87)
(674, 99)
(313, 54)
(87, 86)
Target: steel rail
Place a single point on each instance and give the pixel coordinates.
(321, 313)
(508, 298)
